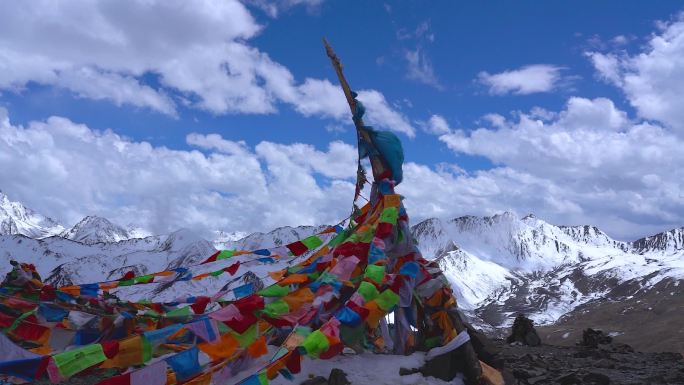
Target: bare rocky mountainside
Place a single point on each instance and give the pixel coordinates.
(565, 278)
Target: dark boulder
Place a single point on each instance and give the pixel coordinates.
(523, 332)
(593, 338)
(338, 377)
(596, 379)
(570, 379)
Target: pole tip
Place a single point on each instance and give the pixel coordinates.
(328, 49)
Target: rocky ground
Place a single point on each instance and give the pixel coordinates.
(649, 320)
(614, 363)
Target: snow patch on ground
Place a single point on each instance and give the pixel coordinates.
(367, 368)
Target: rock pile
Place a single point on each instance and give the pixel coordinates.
(593, 338)
(336, 377)
(523, 332)
(596, 360)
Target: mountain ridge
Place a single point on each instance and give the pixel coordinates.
(497, 265)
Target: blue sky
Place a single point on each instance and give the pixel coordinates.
(462, 83)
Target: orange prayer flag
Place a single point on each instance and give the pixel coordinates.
(293, 278)
(299, 297)
(322, 251)
(170, 378)
(223, 348)
(109, 285)
(435, 300)
(43, 341)
(392, 200)
(277, 275)
(178, 333)
(201, 276)
(263, 326)
(292, 341)
(329, 230)
(42, 350)
(175, 347)
(374, 314)
(258, 348)
(130, 353)
(73, 290)
(204, 379)
(272, 370)
(444, 323)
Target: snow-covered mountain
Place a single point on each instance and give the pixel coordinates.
(501, 265)
(278, 237)
(93, 229)
(15, 218)
(498, 266)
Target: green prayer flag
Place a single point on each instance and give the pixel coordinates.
(225, 254)
(142, 279)
(316, 343)
(387, 299)
(222, 328)
(151, 314)
(77, 360)
(127, 282)
(312, 242)
(389, 215)
(339, 238)
(216, 273)
(180, 312)
(433, 341)
(303, 330)
(375, 273)
(17, 321)
(366, 236)
(368, 291)
(248, 337)
(146, 348)
(263, 379)
(274, 291)
(314, 276)
(276, 308)
(352, 336)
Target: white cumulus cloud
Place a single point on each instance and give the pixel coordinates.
(526, 80)
(68, 170)
(652, 80)
(589, 163)
(158, 54)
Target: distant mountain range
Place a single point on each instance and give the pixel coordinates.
(498, 265)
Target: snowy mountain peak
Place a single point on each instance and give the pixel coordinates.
(277, 237)
(94, 229)
(528, 243)
(671, 240)
(592, 235)
(15, 218)
(221, 236)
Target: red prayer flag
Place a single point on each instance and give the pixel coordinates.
(297, 248)
(110, 348)
(212, 258)
(294, 362)
(200, 304)
(232, 269)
